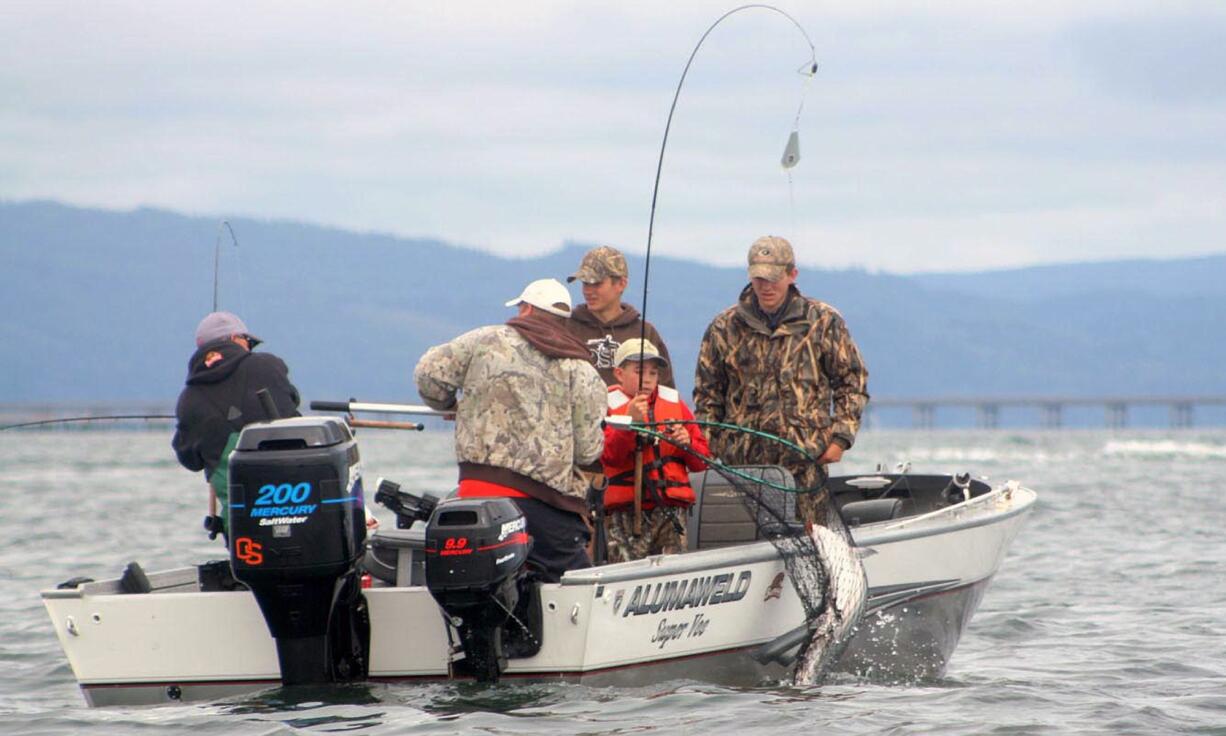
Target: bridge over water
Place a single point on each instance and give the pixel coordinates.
(1050, 411)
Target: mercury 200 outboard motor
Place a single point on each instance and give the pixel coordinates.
(475, 552)
(297, 528)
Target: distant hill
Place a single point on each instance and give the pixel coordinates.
(1180, 278)
(102, 305)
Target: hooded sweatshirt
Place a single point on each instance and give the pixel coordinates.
(602, 340)
(219, 399)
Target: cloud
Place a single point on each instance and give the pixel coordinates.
(936, 136)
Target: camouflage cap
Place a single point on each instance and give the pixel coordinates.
(771, 258)
(599, 264)
(633, 348)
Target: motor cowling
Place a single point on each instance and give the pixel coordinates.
(297, 532)
(475, 554)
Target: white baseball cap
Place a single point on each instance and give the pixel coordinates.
(545, 294)
(635, 348)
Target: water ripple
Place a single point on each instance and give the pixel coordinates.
(1105, 618)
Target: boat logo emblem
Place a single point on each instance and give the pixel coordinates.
(510, 527)
(775, 589)
(249, 551)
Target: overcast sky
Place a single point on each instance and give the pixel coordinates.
(945, 135)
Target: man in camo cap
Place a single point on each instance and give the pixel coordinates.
(604, 321)
(783, 363)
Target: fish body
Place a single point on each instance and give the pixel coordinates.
(845, 603)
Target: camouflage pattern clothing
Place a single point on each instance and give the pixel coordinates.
(517, 408)
(801, 378)
(663, 533)
(601, 263)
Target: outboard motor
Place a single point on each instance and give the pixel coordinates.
(475, 553)
(297, 528)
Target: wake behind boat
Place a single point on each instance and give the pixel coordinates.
(723, 612)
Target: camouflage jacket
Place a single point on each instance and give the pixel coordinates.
(516, 408)
(804, 381)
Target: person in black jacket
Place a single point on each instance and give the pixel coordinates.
(219, 399)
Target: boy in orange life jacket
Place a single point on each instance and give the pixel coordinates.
(666, 467)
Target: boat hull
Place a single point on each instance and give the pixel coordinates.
(700, 615)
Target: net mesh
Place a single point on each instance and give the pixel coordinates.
(777, 508)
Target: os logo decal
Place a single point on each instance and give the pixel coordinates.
(249, 551)
(277, 495)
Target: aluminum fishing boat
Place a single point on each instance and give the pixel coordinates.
(723, 612)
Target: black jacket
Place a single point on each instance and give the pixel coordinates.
(222, 380)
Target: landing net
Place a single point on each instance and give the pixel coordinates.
(772, 505)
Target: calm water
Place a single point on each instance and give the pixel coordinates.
(1108, 616)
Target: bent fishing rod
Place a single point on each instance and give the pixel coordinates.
(348, 407)
(67, 420)
(225, 224)
(791, 153)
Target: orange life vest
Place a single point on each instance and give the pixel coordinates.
(674, 489)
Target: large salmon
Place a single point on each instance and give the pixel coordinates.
(847, 591)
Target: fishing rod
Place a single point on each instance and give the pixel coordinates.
(217, 257)
(374, 407)
(791, 153)
(351, 406)
(66, 420)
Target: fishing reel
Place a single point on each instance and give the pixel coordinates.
(407, 507)
(214, 526)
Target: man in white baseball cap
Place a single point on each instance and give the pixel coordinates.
(528, 408)
(547, 294)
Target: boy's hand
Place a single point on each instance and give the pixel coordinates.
(638, 408)
(677, 434)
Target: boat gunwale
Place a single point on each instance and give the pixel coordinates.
(868, 535)
(883, 532)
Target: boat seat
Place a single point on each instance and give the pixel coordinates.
(397, 556)
(857, 513)
(721, 518)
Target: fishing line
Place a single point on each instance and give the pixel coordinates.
(809, 69)
(791, 152)
(717, 465)
(735, 427)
